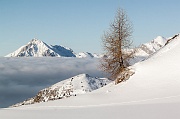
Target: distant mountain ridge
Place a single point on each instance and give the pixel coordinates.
(38, 48)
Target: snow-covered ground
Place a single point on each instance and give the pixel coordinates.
(153, 92)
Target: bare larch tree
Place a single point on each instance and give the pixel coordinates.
(116, 44)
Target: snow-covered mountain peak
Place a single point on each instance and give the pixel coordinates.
(155, 44)
(35, 40)
(147, 49)
(37, 43)
(37, 48)
(151, 47)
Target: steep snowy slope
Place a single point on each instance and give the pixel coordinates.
(73, 86)
(37, 48)
(153, 92)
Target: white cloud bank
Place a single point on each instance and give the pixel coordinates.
(22, 78)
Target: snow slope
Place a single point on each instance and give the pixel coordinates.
(37, 48)
(73, 86)
(153, 92)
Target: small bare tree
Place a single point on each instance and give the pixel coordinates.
(116, 44)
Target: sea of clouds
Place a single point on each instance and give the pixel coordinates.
(22, 78)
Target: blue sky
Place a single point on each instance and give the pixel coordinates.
(79, 24)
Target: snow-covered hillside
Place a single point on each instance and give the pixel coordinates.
(37, 48)
(73, 86)
(151, 93)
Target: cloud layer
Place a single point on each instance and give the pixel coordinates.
(22, 78)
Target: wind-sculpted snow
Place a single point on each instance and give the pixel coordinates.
(22, 78)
